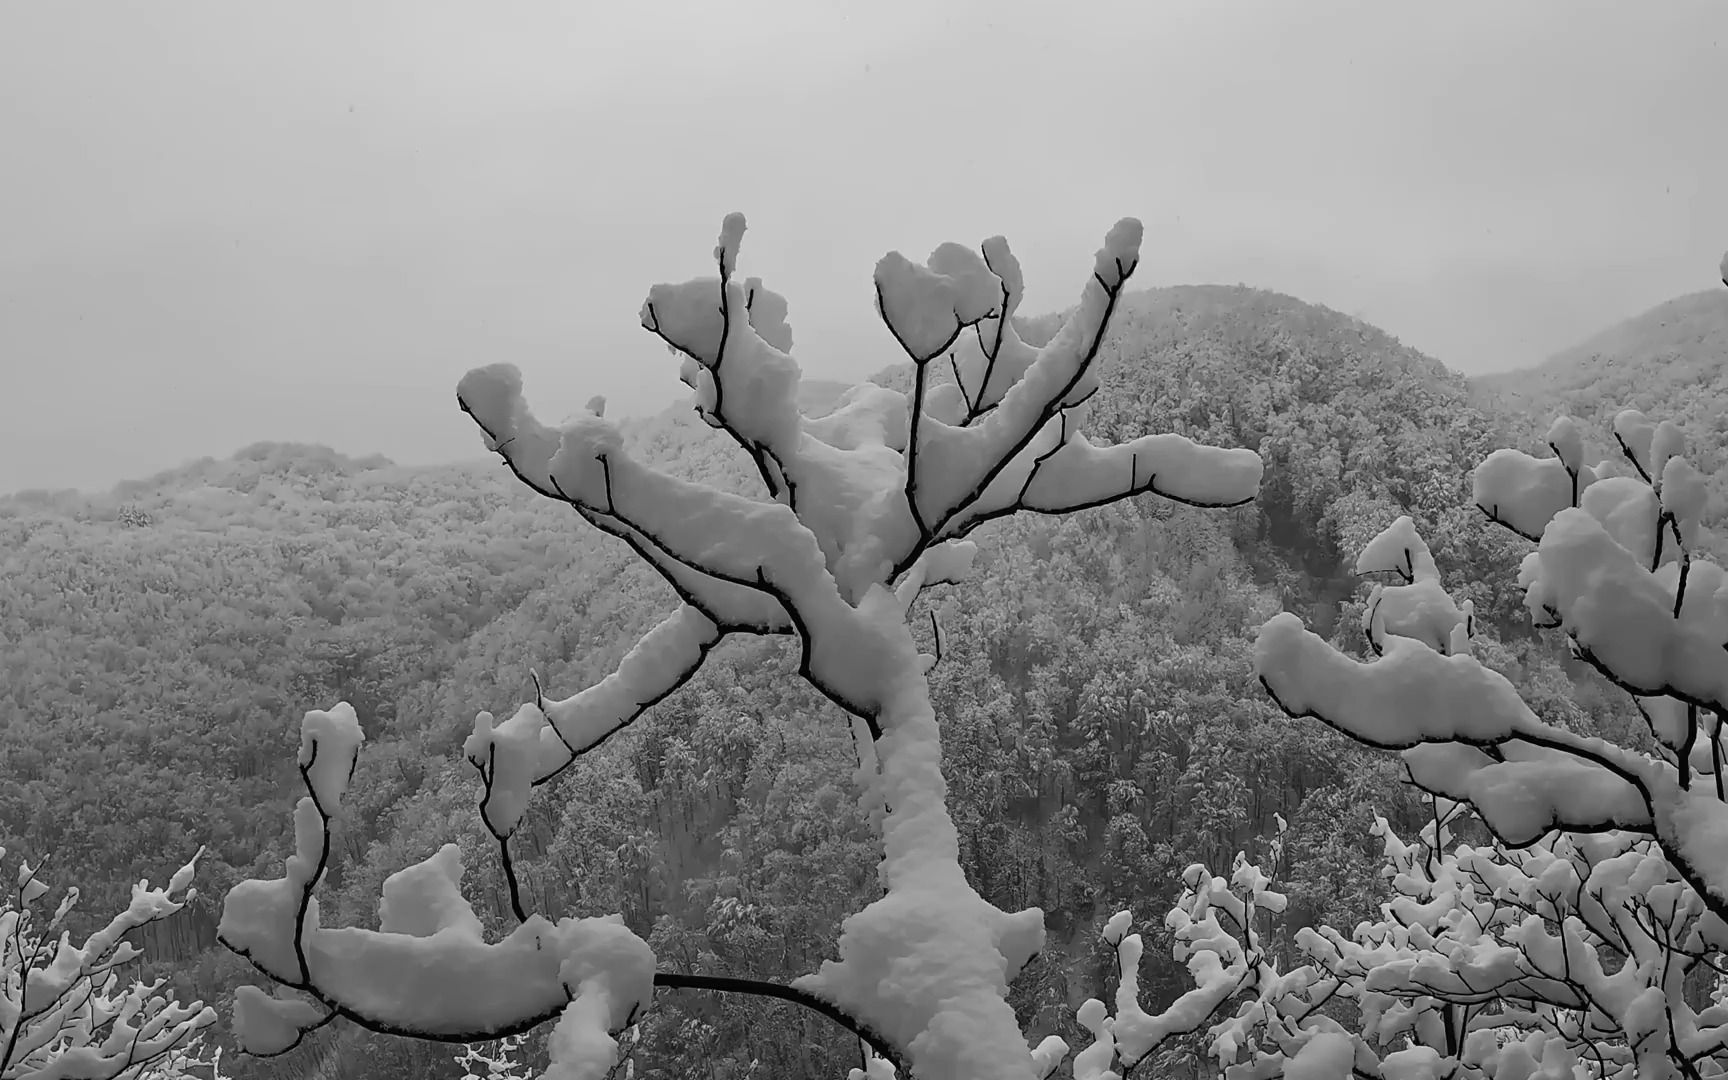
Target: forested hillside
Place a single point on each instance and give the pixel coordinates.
(1103, 725)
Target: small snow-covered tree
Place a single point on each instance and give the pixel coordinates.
(496, 1061)
(1217, 926)
(1616, 920)
(860, 512)
(64, 1014)
(195, 1060)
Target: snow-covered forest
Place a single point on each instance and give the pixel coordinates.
(1191, 683)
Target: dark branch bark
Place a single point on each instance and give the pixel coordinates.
(729, 985)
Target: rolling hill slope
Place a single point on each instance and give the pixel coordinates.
(1670, 362)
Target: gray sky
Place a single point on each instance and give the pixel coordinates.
(223, 222)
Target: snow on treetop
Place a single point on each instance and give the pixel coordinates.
(1006, 266)
(1567, 442)
(329, 745)
(1634, 433)
(1399, 549)
(1684, 493)
(1525, 492)
(731, 237)
(510, 757)
(1327, 1056)
(1410, 695)
(1628, 618)
(1420, 608)
(768, 312)
(928, 306)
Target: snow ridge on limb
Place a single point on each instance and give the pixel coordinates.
(861, 512)
(63, 1013)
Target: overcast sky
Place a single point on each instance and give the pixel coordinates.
(224, 222)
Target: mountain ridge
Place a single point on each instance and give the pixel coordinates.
(1692, 329)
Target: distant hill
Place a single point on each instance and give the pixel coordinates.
(1658, 357)
(1671, 362)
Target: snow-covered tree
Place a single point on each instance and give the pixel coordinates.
(1614, 858)
(1487, 962)
(197, 1059)
(64, 1014)
(860, 512)
(494, 1061)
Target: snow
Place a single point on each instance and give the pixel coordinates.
(861, 512)
(1567, 442)
(1668, 441)
(63, 1011)
(1420, 608)
(926, 307)
(268, 1025)
(1695, 826)
(1684, 493)
(1327, 1056)
(1629, 510)
(1634, 432)
(864, 510)
(1607, 886)
(1410, 695)
(1526, 492)
(1613, 606)
(423, 899)
(72, 963)
(1524, 800)
(508, 757)
(731, 238)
